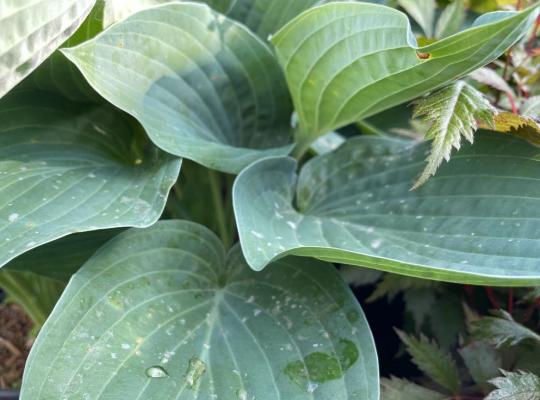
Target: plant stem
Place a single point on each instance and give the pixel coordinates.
(510, 300)
(301, 148)
(370, 129)
(217, 200)
(492, 299)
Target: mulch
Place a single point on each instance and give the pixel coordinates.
(15, 327)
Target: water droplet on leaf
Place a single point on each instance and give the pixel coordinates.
(156, 372)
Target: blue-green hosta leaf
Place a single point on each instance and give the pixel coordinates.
(474, 222)
(451, 20)
(264, 17)
(163, 313)
(347, 61)
(117, 10)
(203, 86)
(30, 30)
(516, 386)
(422, 11)
(66, 168)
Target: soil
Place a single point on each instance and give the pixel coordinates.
(15, 327)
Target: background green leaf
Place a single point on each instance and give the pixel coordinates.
(475, 222)
(422, 11)
(203, 86)
(482, 361)
(401, 389)
(36, 294)
(67, 168)
(502, 329)
(61, 258)
(164, 313)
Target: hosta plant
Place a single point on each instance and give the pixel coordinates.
(207, 128)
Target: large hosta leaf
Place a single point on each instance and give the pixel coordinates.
(163, 313)
(203, 86)
(30, 30)
(348, 61)
(67, 168)
(475, 222)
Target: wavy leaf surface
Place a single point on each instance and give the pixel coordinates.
(345, 61)
(202, 85)
(67, 168)
(165, 313)
(475, 222)
(30, 30)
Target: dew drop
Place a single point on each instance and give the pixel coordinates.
(291, 224)
(156, 372)
(242, 394)
(13, 217)
(311, 387)
(376, 243)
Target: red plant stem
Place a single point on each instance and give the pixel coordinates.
(491, 297)
(512, 103)
(531, 309)
(510, 300)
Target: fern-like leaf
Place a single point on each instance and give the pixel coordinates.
(454, 111)
(502, 329)
(402, 389)
(433, 361)
(516, 386)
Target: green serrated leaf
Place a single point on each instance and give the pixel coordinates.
(327, 50)
(501, 329)
(165, 313)
(434, 362)
(475, 222)
(516, 386)
(482, 361)
(202, 85)
(31, 30)
(401, 389)
(419, 303)
(453, 112)
(67, 168)
(447, 320)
